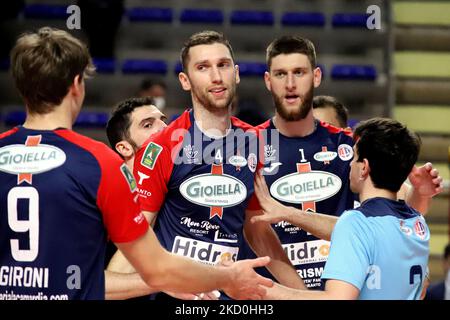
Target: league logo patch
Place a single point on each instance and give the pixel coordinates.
(269, 153)
(190, 153)
(151, 155)
(345, 152)
(128, 177)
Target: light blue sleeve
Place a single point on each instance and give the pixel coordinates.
(350, 251)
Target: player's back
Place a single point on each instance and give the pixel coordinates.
(382, 249)
(400, 256)
(52, 234)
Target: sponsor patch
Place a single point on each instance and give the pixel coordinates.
(306, 187)
(420, 230)
(237, 161)
(19, 158)
(345, 152)
(307, 252)
(129, 178)
(139, 218)
(252, 162)
(213, 190)
(202, 251)
(151, 155)
(325, 156)
(272, 167)
(405, 229)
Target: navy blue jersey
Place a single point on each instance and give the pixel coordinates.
(200, 187)
(310, 173)
(61, 194)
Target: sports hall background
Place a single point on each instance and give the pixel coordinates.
(401, 70)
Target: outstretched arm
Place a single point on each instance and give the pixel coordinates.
(162, 270)
(319, 225)
(334, 290)
(264, 242)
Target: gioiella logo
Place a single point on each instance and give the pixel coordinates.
(304, 187)
(214, 190)
(30, 158)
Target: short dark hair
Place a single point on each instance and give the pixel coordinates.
(288, 45)
(391, 149)
(200, 38)
(447, 251)
(118, 126)
(44, 65)
(328, 101)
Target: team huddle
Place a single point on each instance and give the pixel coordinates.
(295, 208)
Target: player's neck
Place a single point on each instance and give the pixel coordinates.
(368, 191)
(213, 123)
(59, 117)
(299, 128)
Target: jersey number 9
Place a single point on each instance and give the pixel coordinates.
(31, 225)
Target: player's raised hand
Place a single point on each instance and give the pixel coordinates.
(247, 284)
(426, 180)
(273, 211)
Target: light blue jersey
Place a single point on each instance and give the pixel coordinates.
(382, 249)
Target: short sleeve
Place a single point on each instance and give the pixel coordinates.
(350, 251)
(117, 200)
(152, 168)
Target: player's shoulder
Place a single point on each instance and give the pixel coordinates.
(332, 130)
(352, 217)
(238, 123)
(263, 126)
(98, 149)
(8, 133)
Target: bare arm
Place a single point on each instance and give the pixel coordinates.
(162, 270)
(334, 290)
(121, 286)
(118, 262)
(123, 282)
(264, 242)
(125, 286)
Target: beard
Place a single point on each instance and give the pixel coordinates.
(211, 104)
(300, 112)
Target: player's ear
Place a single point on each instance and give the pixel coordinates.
(125, 149)
(267, 80)
(77, 87)
(184, 80)
(365, 170)
(317, 77)
(236, 70)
